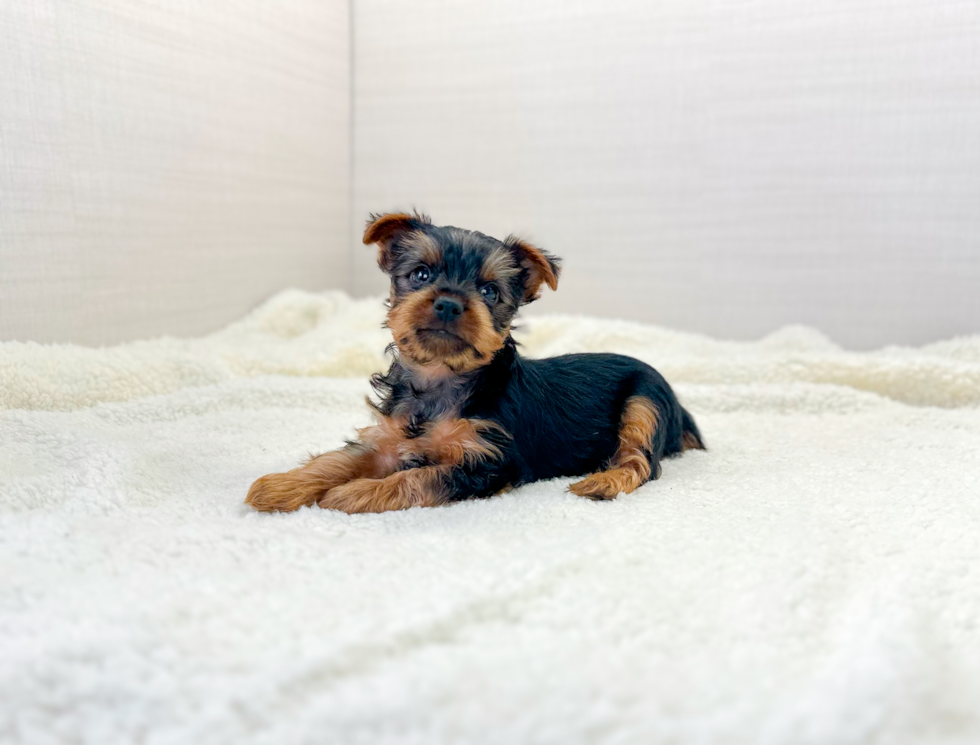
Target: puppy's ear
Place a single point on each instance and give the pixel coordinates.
(541, 267)
(386, 229)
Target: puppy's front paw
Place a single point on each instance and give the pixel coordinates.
(416, 487)
(283, 492)
(359, 495)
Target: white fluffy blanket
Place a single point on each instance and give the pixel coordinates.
(814, 577)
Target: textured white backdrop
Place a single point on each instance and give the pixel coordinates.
(165, 167)
(720, 167)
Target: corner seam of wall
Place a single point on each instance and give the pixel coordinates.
(351, 162)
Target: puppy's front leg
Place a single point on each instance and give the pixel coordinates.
(426, 486)
(374, 455)
(414, 487)
(303, 486)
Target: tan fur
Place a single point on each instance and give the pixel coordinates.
(303, 486)
(475, 328)
(430, 373)
(448, 443)
(383, 444)
(405, 317)
(375, 456)
(424, 247)
(383, 229)
(378, 456)
(407, 313)
(539, 268)
(629, 467)
(455, 441)
(416, 487)
(500, 266)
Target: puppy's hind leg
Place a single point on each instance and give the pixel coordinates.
(637, 456)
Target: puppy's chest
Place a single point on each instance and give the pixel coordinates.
(425, 428)
(420, 406)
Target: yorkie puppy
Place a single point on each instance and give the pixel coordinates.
(462, 414)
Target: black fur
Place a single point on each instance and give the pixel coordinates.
(559, 416)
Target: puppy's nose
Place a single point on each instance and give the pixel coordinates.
(447, 309)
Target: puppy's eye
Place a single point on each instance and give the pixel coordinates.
(421, 275)
(490, 293)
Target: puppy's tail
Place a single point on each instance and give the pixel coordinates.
(691, 437)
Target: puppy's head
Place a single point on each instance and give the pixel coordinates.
(454, 292)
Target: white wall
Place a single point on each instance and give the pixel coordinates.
(723, 167)
(165, 166)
